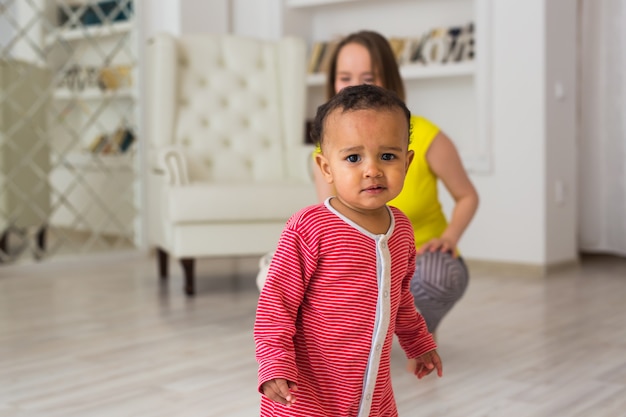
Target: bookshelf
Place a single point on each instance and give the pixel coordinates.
(415, 72)
(94, 62)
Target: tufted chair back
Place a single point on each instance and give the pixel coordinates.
(227, 160)
(234, 105)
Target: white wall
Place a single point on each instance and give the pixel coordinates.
(210, 16)
(534, 148)
(510, 223)
(257, 18)
(160, 15)
(186, 16)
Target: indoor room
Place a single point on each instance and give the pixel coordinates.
(153, 153)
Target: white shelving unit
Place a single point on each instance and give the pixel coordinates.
(88, 161)
(89, 94)
(86, 32)
(455, 96)
(415, 72)
(97, 191)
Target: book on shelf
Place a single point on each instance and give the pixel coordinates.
(118, 142)
(415, 52)
(329, 51)
(99, 143)
(115, 77)
(461, 43)
(439, 45)
(321, 54)
(129, 138)
(444, 45)
(122, 139)
(79, 78)
(397, 46)
(317, 50)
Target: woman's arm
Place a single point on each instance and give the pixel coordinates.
(444, 161)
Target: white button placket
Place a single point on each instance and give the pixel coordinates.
(383, 312)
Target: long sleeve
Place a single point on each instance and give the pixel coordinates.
(411, 327)
(278, 308)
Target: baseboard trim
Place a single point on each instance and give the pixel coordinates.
(562, 266)
(520, 269)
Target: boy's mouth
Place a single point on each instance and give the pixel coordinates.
(374, 188)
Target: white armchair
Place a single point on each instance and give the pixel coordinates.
(228, 164)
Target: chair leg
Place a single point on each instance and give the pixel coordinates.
(4, 245)
(188, 269)
(40, 240)
(162, 261)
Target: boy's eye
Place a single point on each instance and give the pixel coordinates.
(387, 156)
(353, 158)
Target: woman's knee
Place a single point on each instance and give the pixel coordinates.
(439, 276)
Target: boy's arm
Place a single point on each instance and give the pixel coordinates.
(277, 311)
(411, 327)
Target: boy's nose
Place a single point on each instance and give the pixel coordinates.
(372, 170)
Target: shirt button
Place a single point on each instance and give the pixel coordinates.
(386, 293)
(378, 346)
(368, 397)
(384, 245)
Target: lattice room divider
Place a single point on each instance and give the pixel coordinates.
(68, 127)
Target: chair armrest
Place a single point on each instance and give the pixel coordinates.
(171, 162)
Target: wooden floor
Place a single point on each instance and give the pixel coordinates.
(101, 338)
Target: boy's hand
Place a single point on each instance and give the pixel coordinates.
(425, 364)
(279, 390)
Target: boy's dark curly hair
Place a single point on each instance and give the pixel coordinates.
(357, 97)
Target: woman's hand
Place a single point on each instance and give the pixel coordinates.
(440, 244)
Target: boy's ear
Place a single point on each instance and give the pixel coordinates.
(409, 159)
(324, 167)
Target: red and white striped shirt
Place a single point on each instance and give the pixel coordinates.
(335, 294)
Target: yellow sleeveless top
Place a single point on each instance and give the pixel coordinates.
(419, 198)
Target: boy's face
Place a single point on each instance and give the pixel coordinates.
(365, 156)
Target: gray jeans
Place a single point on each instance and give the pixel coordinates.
(439, 282)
